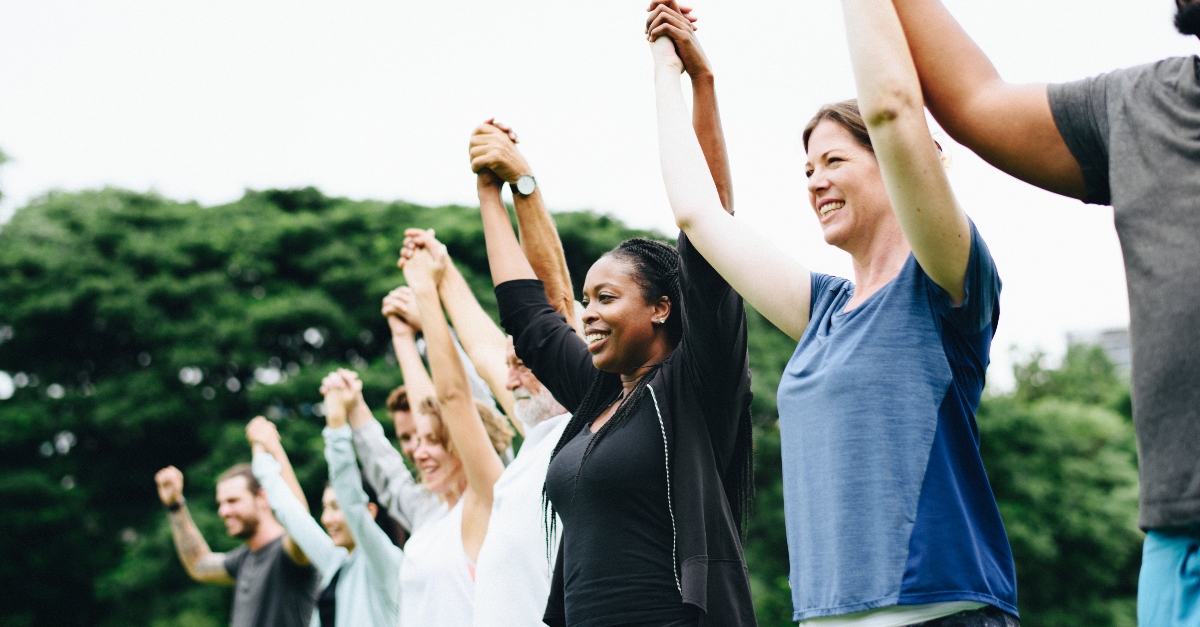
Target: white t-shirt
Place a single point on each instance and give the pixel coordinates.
(512, 579)
(435, 578)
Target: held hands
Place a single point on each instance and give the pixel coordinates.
(343, 391)
(669, 21)
(170, 485)
(494, 150)
(400, 309)
(423, 259)
(263, 436)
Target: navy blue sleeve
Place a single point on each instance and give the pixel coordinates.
(543, 340)
(981, 307)
(1080, 111)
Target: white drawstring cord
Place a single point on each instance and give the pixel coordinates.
(670, 507)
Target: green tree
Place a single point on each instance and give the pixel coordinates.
(143, 332)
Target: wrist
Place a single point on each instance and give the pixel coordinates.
(701, 78)
(176, 506)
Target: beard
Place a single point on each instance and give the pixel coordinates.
(534, 408)
(1187, 19)
(249, 528)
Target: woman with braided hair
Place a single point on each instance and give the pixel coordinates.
(652, 476)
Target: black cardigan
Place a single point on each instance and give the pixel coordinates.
(703, 391)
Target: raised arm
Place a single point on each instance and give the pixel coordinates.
(264, 439)
(493, 148)
(505, 257)
(668, 18)
(406, 500)
(474, 448)
(404, 341)
(1010, 126)
(198, 560)
(889, 98)
(485, 344)
(774, 284)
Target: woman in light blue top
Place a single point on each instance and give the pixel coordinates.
(889, 515)
(354, 551)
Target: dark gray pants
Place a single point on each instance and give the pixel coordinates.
(983, 617)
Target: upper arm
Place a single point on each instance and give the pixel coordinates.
(1012, 127)
(484, 342)
(774, 284)
(211, 569)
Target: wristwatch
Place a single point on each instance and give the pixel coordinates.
(525, 185)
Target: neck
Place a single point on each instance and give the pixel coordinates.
(268, 531)
(629, 380)
(450, 497)
(879, 259)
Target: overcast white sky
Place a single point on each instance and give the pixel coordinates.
(203, 99)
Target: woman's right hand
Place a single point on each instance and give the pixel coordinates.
(400, 309)
(668, 20)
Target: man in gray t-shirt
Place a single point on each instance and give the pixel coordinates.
(274, 585)
(1130, 138)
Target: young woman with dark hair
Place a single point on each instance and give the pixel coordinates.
(652, 476)
(890, 518)
(354, 546)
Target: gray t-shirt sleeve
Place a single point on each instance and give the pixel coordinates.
(1080, 111)
(234, 559)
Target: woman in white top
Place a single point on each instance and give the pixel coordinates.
(358, 587)
(456, 460)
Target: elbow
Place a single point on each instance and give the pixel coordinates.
(890, 105)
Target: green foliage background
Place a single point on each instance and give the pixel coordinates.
(143, 332)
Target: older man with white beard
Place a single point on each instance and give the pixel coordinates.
(512, 574)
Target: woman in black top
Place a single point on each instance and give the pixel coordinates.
(652, 475)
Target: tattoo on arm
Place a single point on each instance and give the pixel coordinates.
(201, 563)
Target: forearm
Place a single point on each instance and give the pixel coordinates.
(192, 549)
(955, 73)
(483, 341)
(416, 380)
(286, 472)
(706, 121)
(691, 190)
(544, 251)
(507, 261)
(457, 406)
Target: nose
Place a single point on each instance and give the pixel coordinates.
(590, 315)
(817, 182)
(514, 378)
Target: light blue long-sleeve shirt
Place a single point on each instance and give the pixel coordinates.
(368, 590)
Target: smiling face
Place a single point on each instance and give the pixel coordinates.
(238, 507)
(441, 471)
(334, 521)
(619, 324)
(845, 186)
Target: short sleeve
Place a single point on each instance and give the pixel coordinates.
(826, 291)
(234, 559)
(1080, 111)
(981, 306)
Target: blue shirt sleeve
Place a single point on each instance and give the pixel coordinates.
(981, 307)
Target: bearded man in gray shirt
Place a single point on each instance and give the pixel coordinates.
(1130, 139)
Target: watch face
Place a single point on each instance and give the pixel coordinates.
(526, 184)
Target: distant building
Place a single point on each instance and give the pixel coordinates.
(1115, 343)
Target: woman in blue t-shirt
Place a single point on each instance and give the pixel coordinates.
(890, 519)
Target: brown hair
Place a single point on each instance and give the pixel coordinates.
(398, 400)
(497, 427)
(846, 115)
(244, 471)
